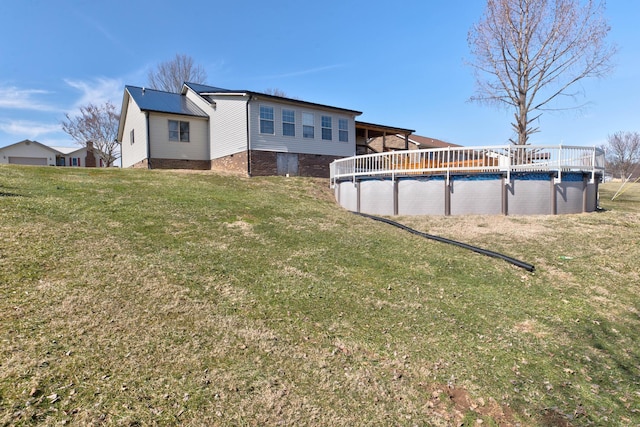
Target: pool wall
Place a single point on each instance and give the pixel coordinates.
(479, 194)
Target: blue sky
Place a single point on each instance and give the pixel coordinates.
(401, 63)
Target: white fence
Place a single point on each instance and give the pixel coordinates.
(491, 159)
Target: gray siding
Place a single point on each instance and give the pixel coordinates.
(135, 120)
(161, 148)
(297, 144)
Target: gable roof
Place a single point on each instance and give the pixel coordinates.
(205, 91)
(164, 102)
(28, 142)
(430, 142)
(68, 150)
(65, 151)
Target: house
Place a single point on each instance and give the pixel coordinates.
(206, 127)
(34, 153)
(396, 142)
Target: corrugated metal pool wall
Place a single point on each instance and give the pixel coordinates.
(478, 194)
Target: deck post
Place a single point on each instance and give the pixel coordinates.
(554, 196)
(505, 196)
(585, 187)
(447, 197)
(395, 196)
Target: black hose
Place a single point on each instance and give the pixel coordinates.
(486, 252)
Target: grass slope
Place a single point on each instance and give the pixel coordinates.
(147, 297)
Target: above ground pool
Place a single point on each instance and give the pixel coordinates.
(507, 180)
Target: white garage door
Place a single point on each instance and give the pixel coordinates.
(34, 161)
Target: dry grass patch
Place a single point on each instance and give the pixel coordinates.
(143, 297)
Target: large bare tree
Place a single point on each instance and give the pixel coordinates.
(623, 153)
(170, 75)
(530, 53)
(98, 124)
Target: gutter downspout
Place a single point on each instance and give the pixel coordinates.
(146, 114)
(248, 137)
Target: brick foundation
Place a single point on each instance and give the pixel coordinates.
(315, 165)
(180, 164)
(263, 163)
(144, 164)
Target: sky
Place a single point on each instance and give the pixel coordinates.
(403, 63)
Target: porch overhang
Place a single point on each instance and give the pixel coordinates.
(365, 132)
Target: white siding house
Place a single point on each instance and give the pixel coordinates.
(239, 130)
(34, 153)
(28, 153)
(162, 130)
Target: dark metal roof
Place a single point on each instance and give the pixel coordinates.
(200, 89)
(164, 102)
(379, 130)
(204, 90)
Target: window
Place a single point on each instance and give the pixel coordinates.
(132, 137)
(326, 128)
(178, 131)
(266, 119)
(343, 130)
(288, 123)
(307, 125)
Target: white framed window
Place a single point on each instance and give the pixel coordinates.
(288, 122)
(343, 130)
(266, 120)
(308, 128)
(178, 131)
(132, 137)
(326, 128)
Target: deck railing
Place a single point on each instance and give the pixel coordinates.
(490, 159)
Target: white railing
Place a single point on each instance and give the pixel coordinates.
(491, 159)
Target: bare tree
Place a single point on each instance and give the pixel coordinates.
(170, 75)
(623, 153)
(98, 124)
(530, 53)
(276, 92)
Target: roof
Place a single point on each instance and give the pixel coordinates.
(28, 142)
(379, 130)
(204, 90)
(430, 142)
(67, 150)
(164, 102)
(58, 150)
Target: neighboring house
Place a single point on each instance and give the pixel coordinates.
(397, 142)
(34, 153)
(206, 127)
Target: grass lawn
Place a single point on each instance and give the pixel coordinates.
(135, 297)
